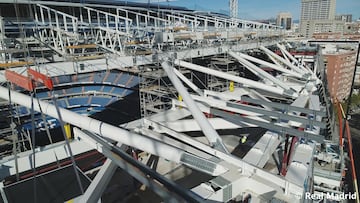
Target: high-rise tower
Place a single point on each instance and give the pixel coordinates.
(318, 16)
(318, 9)
(284, 20)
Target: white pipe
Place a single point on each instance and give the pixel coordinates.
(98, 127)
(303, 66)
(247, 169)
(290, 65)
(234, 78)
(188, 82)
(283, 49)
(285, 56)
(271, 65)
(98, 185)
(204, 124)
(259, 71)
(115, 133)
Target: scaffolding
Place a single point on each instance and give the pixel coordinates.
(155, 92)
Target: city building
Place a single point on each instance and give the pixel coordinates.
(352, 27)
(158, 103)
(344, 17)
(319, 16)
(336, 36)
(311, 27)
(284, 19)
(318, 9)
(340, 64)
(357, 76)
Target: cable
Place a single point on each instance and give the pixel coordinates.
(68, 144)
(44, 120)
(33, 145)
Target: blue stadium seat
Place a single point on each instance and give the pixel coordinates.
(69, 91)
(62, 103)
(64, 79)
(87, 110)
(111, 78)
(118, 91)
(102, 101)
(112, 100)
(82, 101)
(83, 78)
(127, 92)
(123, 79)
(42, 94)
(107, 89)
(135, 81)
(88, 88)
(21, 111)
(77, 90)
(58, 92)
(96, 88)
(98, 77)
(89, 101)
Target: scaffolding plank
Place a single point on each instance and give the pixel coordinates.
(81, 46)
(15, 64)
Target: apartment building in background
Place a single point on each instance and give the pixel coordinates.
(319, 16)
(344, 17)
(340, 65)
(284, 19)
(318, 9)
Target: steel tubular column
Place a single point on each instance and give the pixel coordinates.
(262, 73)
(283, 49)
(267, 51)
(188, 82)
(227, 76)
(237, 119)
(96, 188)
(126, 137)
(271, 65)
(204, 124)
(283, 107)
(103, 129)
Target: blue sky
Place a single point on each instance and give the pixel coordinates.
(260, 9)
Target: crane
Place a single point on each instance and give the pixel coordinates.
(233, 8)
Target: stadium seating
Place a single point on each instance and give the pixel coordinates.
(80, 92)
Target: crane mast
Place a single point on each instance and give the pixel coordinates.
(233, 8)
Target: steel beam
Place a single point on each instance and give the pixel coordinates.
(280, 116)
(273, 66)
(96, 188)
(188, 82)
(129, 165)
(284, 107)
(241, 80)
(261, 73)
(244, 168)
(256, 111)
(213, 137)
(283, 49)
(112, 132)
(2, 193)
(237, 119)
(287, 63)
